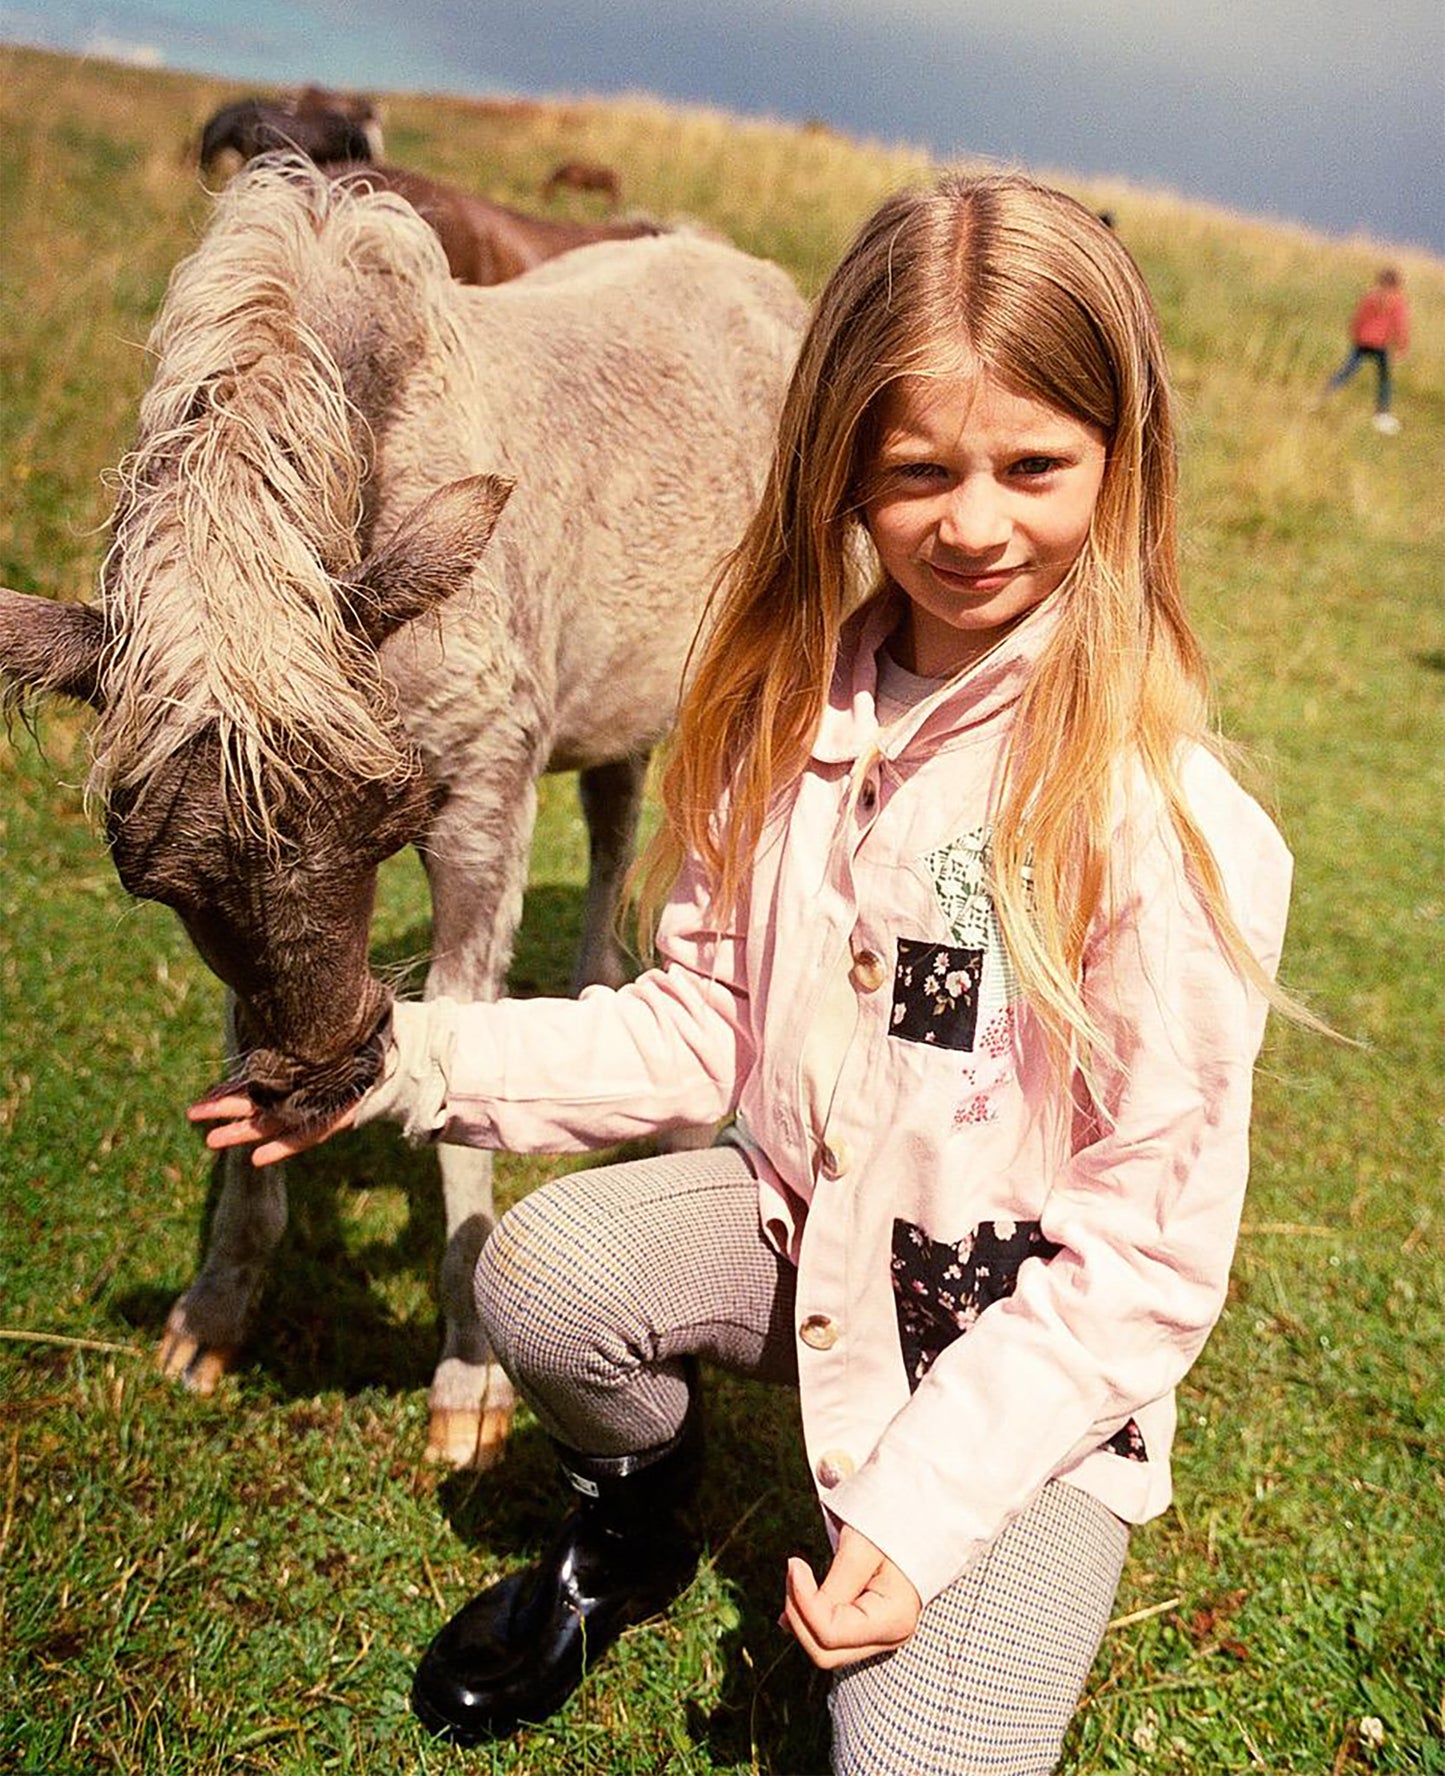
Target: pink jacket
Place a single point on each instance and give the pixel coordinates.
(997, 1284)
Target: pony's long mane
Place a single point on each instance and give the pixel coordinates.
(282, 343)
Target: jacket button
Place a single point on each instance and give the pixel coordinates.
(835, 1466)
(818, 1332)
(868, 972)
(834, 1160)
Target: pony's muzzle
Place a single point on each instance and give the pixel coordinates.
(302, 1094)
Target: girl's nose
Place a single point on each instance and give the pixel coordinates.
(974, 520)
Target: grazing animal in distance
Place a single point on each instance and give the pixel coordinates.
(251, 127)
(339, 440)
(358, 106)
(485, 242)
(583, 175)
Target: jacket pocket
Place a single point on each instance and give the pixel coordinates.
(940, 1289)
(936, 994)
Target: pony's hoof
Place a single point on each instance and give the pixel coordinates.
(460, 1437)
(199, 1368)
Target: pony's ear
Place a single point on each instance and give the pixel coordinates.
(428, 557)
(49, 646)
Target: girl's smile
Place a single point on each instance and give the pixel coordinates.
(979, 502)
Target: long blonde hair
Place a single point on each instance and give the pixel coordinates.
(1010, 275)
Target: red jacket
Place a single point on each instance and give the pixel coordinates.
(1382, 320)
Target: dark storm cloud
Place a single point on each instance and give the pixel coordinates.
(1310, 109)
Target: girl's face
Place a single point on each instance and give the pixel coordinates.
(980, 502)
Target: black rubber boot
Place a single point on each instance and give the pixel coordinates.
(519, 1649)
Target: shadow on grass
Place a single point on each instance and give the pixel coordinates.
(320, 1323)
(756, 1508)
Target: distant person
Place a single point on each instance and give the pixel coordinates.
(1381, 325)
(974, 932)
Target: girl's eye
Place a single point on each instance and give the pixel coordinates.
(1031, 467)
(916, 472)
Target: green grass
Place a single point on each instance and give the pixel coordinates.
(243, 1585)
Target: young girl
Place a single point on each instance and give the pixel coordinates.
(972, 934)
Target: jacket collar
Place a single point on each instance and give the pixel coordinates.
(972, 700)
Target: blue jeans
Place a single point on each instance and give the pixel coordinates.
(1358, 354)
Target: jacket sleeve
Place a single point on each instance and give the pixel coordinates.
(1145, 1212)
(669, 1050)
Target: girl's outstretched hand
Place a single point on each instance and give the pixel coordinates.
(863, 1606)
(238, 1123)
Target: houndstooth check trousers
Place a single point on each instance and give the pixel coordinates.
(598, 1287)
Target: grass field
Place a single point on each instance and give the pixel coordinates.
(243, 1585)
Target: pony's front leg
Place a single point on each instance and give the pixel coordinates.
(209, 1323)
(471, 1398)
(476, 860)
(611, 796)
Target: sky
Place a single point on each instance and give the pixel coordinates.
(1325, 112)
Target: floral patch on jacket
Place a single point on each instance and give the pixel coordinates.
(940, 1289)
(935, 994)
(1128, 1441)
(960, 995)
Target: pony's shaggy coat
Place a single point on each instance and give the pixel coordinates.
(334, 430)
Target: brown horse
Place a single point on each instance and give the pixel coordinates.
(335, 430)
(583, 175)
(308, 125)
(485, 242)
(326, 98)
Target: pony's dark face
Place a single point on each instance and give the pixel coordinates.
(280, 909)
(282, 919)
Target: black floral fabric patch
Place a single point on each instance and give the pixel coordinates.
(939, 1289)
(1128, 1441)
(935, 994)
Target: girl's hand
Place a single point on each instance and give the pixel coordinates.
(238, 1123)
(864, 1605)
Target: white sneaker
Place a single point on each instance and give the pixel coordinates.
(1387, 423)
